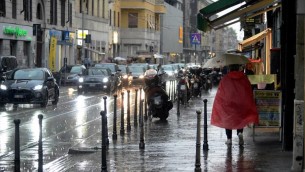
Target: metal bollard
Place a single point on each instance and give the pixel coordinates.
(178, 102)
(114, 135)
(141, 110)
(40, 152)
(141, 144)
(105, 109)
(128, 111)
(122, 131)
(17, 146)
(197, 163)
(136, 108)
(169, 89)
(104, 163)
(145, 108)
(205, 146)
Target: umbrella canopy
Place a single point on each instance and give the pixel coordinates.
(226, 60)
(120, 58)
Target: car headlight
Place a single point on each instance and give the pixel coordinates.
(81, 80)
(3, 87)
(141, 76)
(125, 76)
(105, 79)
(37, 87)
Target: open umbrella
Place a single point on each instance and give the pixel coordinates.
(226, 60)
(120, 58)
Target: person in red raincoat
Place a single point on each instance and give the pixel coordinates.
(234, 106)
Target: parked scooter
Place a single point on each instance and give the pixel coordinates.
(195, 86)
(157, 99)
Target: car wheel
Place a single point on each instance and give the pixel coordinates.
(45, 100)
(56, 97)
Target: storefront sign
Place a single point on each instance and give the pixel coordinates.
(18, 32)
(52, 55)
(268, 103)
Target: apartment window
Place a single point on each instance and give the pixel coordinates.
(53, 12)
(2, 8)
(70, 14)
(14, 9)
(93, 7)
(39, 12)
(110, 17)
(118, 19)
(27, 10)
(133, 20)
(114, 19)
(63, 12)
(103, 9)
(80, 6)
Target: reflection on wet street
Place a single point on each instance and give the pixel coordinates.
(75, 124)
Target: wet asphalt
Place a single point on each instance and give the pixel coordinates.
(171, 146)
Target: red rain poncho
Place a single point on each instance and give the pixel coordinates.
(234, 106)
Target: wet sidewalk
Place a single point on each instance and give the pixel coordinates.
(171, 146)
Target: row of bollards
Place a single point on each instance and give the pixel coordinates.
(17, 145)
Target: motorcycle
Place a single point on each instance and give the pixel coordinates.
(196, 86)
(205, 82)
(183, 90)
(156, 97)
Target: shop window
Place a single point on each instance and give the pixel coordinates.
(2, 8)
(53, 12)
(133, 20)
(13, 48)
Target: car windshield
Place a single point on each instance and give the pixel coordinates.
(136, 69)
(76, 69)
(29, 74)
(122, 68)
(96, 71)
(109, 66)
(167, 68)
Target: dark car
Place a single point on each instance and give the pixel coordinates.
(137, 73)
(7, 64)
(62, 74)
(96, 79)
(126, 76)
(73, 75)
(112, 66)
(29, 86)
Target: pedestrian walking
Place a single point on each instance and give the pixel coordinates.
(234, 106)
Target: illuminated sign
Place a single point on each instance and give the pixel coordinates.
(15, 31)
(82, 34)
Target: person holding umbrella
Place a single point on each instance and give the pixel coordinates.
(234, 106)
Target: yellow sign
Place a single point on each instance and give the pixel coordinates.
(180, 34)
(81, 34)
(52, 54)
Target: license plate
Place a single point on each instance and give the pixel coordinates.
(91, 85)
(195, 85)
(182, 87)
(17, 96)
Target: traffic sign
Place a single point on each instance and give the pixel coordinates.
(195, 38)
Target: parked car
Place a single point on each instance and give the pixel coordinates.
(126, 76)
(137, 73)
(73, 75)
(29, 86)
(96, 79)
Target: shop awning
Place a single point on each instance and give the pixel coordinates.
(247, 10)
(254, 39)
(218, 6)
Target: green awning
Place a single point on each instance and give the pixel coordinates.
(218, 6)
